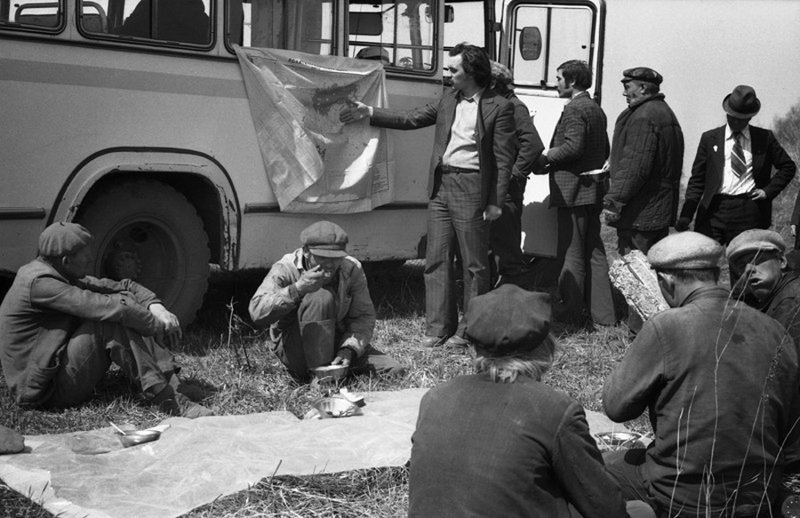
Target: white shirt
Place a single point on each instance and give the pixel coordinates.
(462, 149)
(731, 184)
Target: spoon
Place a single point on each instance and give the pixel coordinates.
(117, 428)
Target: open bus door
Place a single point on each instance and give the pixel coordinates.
(537, 37)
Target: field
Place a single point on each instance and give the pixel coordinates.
(223, 353)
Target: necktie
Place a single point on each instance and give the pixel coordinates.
(738, 164)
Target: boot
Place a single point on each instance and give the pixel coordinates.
(176, 404)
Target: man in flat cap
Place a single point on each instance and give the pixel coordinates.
(316, 303)
(60, 329)
(732, 186)
(645, 164)
(703, 371)
(500, 442)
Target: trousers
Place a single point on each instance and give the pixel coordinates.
(90, 352)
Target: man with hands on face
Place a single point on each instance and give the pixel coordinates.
(60, 329)
(317, 304)
(473, 154)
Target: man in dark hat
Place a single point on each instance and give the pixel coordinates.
(732, 186)
(500, 442)
(645, 164)
(718, 380)
(60, 329)
(316, 303)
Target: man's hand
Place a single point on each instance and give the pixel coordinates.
(356, 112)
(682, 224)
(793, 230)
(610, 216)
(343, 357)
(492, 212)
(168, 324)
(310, 280)
(758, 194)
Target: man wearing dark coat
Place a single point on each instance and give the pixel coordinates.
(60, 329)
(732, 186)
(500, 442)
(506, 231)
(718, 380)
(473, 155)
(575, 161)
(645, 164)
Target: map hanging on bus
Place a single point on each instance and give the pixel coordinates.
(314, 163)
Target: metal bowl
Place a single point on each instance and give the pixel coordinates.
(330, 372)
(612, 441)
(139, 437)
(335, 407)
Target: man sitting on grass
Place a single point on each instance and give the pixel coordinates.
(61, 328)
(500, 442)
(318, 307)
(719, 382)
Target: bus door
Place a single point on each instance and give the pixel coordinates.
(538, 36)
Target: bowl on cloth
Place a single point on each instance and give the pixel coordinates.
(139, 437)
(335, 407)
(613, 441)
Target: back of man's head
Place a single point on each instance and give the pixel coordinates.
(684, 262)
(577, 71)
(475, 62)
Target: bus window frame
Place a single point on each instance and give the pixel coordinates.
(435, 49)
(38, 29)
(150, 42)
(514, 29)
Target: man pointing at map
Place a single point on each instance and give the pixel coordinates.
(473, 153)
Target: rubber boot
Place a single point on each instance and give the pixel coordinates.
(318, 342)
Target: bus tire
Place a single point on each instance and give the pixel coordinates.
(147, 231)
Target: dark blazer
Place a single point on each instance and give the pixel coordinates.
(496, 138)
(579, 144)
(709, 165)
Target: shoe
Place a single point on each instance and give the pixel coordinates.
(434, 341)
(456, 341)
(182, 406)
(193, 392)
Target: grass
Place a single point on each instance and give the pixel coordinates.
(226, 355)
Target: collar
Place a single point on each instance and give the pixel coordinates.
(638, 102)
(579, 94)
(703, 293)
(745, 132)
(474, 98)
(786, 278)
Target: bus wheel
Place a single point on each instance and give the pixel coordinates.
(149, 232)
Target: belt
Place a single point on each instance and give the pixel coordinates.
(732, 196)
(449, 169)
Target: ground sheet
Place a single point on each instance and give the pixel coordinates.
(197, 461)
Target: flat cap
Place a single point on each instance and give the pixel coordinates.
(63, 238)
(685, 251)
(756, 240)
(324, 239)
(642, 74)
(508, 320)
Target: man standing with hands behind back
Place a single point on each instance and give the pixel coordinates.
(473, 153)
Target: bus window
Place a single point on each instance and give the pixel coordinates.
(304, 25)
(565, 32)
(45, 14)
(172, 21)
(462, 26)
(404, 29)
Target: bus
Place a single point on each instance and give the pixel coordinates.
(131, 116)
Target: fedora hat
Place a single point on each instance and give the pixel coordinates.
(742, 103)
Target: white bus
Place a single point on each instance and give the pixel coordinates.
(131, 117)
